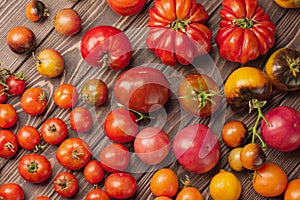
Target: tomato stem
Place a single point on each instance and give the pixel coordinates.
(42, 96)
(187, 182)
(9, 146)
(294, 65)
(141, 115)
(246, 23)
(38, 147)
(76, 153)
(32, 167)
(179, 25)
(105, 60)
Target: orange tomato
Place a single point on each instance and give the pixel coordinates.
(189, 193)
(288, 3)
(252, 156)
(234, 133)
(234, 159)
(292, 191)
(162, 198)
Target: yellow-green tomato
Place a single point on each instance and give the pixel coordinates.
(234, 160)
(49, 63)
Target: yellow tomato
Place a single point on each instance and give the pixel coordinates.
(234, 160)
(288, 3)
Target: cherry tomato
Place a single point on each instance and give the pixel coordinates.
(163, 198)
(67, 21)
(269, 180)
(234, 133)
(93, 172)
(11, 191)
(190, 193)
(42, 198)
(94, 92)
(125, 7)
(16, 84)
(234, 159)
(65, 96)
(96, 194)
(73, 153)
(8, 144)
(120, 185)
(34, 168)
(65, 184)
(34, 101)
(21, 40)
(292, 191)
(54, 130)
(3, 93)
(8, 116)
(28, 137)
(252, 156)
(36, 11)
(79, 115)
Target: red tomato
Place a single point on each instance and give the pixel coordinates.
(16, 84)
(36, 11)
(126, 7)
(120, 185)
(120, 125)
(94, 92)
(65, 96)
(54, 130)
(142, 89)
(177, 33)
(96, 194)
(34, 101)
(67, 21)
(245, 31)
(8, 116)
(292, 191)
(3, 93)
(8, 144)
(11, 191)
(34, 168)
(28, 137)
(65, 184)
(81, 120)
(73, 153)
(106, 46)
(93, 172)
(152, 145)
(42, 198)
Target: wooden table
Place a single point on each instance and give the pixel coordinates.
(77, 71)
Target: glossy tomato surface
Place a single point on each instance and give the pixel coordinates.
(94, 92)
(28, 137)
(81, 119)
(288, 3)
(8, 116)
(54, 130)
(36, 11)
(292, 191)
(126, 7)
(8, 144)
(66, 184)
(34, 101)
(67, 21)
(16, 84)
(11, 191)
(93, 172)
(96, 194)
(65, 96)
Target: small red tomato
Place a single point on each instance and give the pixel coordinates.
(28, 137)
(36, 11)
(16, 84)
(65, 96)
(34, 101)
(8, 144)
(234, 133)
(8, 116)
(3, 93)
(81, 120)
(54, 130)
(42, 198)
(11, 191)
(126, 7)
(93, 172)
(67, 21)
(94, 92)
(65, 184)
(96, 194)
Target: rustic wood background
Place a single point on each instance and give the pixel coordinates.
(12, 13)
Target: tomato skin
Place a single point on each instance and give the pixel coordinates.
(234, 133)
(65, 96)
(292, 191)
(36, 11)
(162, 198)
(190, 193)
(106, 46)
(120, 185)
(34, 168)
(34, 101)
(67, 21)
(16, 84)
(28, 137)
(288, 3)
(11, 191)
(42, 198)
(8, 116)
(93, 172)
(79, 115)
(94, 92)
(125, 7)
(252, 156)
(3, 94)
(8, 144)
(234, 159)
(66, 184)
(54, 130)
(96, 194)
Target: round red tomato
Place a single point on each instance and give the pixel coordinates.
(54, 130)
(8, 144)
(42, 198)
(65, 96)
(125, 7)
(11, 191)
(16, 84)
(3, 93)
(67, 21)
(73, 153)
(36, 11)
(65, 184)
(8, 116)
(94, 92)
(96, 194)
(93, 172)
(34, 168)
(28, 137)
(79, 115)
(34, 101)
(120, 185)
(106, 46)
(143, 89)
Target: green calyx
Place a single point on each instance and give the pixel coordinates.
(246, 23)
(294, 65)
(179, 25)
(32, 167)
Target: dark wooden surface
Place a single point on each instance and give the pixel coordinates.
(12, 13)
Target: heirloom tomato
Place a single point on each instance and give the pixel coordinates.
(8, 116)
(97, 194)
(8, 144)
(252, 156)
(126, 7)
(67, 21)
(81, 120)
(245, 31)
(29, 138)
(16, 84)
(94, 92)
(288, 3)
(106, 46)
(36, 11)
(65, 95)
(234, 133)
(34, 101)
(54, 130)
(93, 172)
(199, 95)
(234, 159)
(292, 191)
(65, 184)
(283, 69)
(177, 33)
(143, 89)
(11, 191)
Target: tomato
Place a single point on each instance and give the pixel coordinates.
(288, 3)
(73, 153)
(93, 172)
(269, 180)
(199, 95)
(49, 63)
(177, 31)
(164, 182)
(28, 137)
(36, 11)
(94, 92)
(225, 185)
(8, 144)
(65, 184)
(11, 191)
(96, 194)
(65, 96)
(42, 198)
(67, 21)
(125, 7)
(3, 93)
(114, 157)
(197, 149)
(252, 156)
(8, 116)
(120, 125)
(34, 101)
(283, 67)
(54, 130)
(245, 31)
(21, 40)
(120, 185)
(34, 168)
(152, 145)
(106, 46)
(162, 198)
(292, 191)
(234, 159)
(79, 115)
(234, 133)
(16, 84)
(143, 89)
(190, 193)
